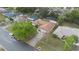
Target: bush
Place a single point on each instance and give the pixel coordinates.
(55, 36)
(23, 30)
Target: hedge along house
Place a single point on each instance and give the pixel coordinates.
(44, 26)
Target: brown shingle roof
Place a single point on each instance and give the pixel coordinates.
(40, 22)
(48, 27)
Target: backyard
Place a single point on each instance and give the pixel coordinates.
(73, 25)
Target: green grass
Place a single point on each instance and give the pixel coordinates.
(73, 25)
(49, 43)
(2, 18)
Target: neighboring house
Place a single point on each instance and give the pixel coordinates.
(45, 26)
(32, 18)
(9, 15)
(66, 31)
(21, 18)
(3, 10)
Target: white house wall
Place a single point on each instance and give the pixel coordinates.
(67, 31)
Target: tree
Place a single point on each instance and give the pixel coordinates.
(69, 42)
(53, 14)
(25, 10)
(72, 16)
(60, 19)
(43, 12)
(23, 30)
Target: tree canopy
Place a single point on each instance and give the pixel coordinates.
(23, 30)
(43, 12)
(72, 15)
(25, 10)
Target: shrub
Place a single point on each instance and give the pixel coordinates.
(55, 36)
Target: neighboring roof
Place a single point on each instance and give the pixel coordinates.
(34, 17)
(9, 14)
(21, 18)
(51, 18)
(39, 22)
(3, 10)
(67, 31)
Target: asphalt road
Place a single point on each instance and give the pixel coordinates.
(11, 44)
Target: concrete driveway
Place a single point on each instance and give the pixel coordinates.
(11, 44)
(36, 39)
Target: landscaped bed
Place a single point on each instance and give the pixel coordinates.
(50, 43)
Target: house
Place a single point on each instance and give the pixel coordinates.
(9, 16)
(45, 26)
(21, 18)
(3, 10)
(66, 31)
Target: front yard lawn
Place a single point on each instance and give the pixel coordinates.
(2, 18)
(49, 43)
